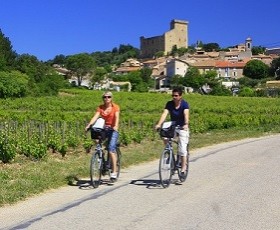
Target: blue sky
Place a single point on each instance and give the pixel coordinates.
(46, 28)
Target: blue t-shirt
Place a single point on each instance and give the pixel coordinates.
(177, 115)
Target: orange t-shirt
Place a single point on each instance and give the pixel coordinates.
(110, 118)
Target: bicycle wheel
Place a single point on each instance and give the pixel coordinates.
(118, 162)
(166, 165)
(182, 178)
(95, 170)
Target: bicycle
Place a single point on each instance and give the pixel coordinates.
(100, 164)
(170, 163)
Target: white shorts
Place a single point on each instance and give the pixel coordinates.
(183, 140)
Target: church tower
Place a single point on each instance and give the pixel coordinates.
(248, 44)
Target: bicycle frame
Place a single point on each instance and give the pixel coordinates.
(100, 162)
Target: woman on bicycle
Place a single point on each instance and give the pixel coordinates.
(179, 113)
(110, 112)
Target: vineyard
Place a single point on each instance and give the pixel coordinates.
(34, 127)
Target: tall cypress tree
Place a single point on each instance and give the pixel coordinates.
(7, 55)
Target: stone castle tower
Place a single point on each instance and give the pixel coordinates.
(177, 35)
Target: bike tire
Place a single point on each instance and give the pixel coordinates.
(118, 162)
(96, 165)
(183, 178)
(166, 165)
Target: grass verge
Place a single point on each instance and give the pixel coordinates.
(24, 178)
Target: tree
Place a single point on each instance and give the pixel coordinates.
(31, 66)
(159, 54)
(59, 60)
(7, 55)
(209, 47)
(193, 78)
(80, 66)
(248, 82)
(98, 75)
(50, 85)
(211, 78)
(13, 84)
(258, 50)
(275, 68)
(246, 92)
(256, 69)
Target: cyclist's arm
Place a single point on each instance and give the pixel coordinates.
(186, 118)
(93, 120)
(162, 118)
(117, 119)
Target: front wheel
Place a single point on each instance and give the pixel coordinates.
(166, 164)
(95, 170)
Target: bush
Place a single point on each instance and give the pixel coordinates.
(13, 84)
(246, 92)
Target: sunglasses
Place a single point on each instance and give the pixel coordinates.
(106, 96)
(175, 95)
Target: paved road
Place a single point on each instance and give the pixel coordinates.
(230, 186)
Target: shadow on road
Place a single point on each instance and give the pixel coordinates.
(86, 184)
(152, 184)
(147, 182)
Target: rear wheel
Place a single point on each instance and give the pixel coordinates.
(166, 164)
(95, 170)
(118, 162)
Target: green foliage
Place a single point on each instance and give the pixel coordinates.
(246, 92)
(258, 50)
(248, 82)
(58, 59)
(140, 80)
(80, 65)
(57, 123)
(7, 147)
(7, 55)
(211, 79)
(116, 57)
(50, 85)
(13, 84)
(99, 74)
(32, 67)
(275, 68)
(209, 47)
(256, 69)
(193, 78)
(220, 90)
(159, 54)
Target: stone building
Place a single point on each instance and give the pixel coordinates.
(177, 35)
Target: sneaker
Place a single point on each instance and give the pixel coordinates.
(113, 175)
(183, 174)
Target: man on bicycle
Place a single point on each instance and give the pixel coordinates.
(179, 114)
(110, 112)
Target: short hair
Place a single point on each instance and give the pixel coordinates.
(178, 90)
(107, 93)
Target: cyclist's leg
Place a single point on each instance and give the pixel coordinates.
(183, 143)
(112, 148)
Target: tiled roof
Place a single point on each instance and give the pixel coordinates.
(227, 64)
(127, 69)
(204, 63)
